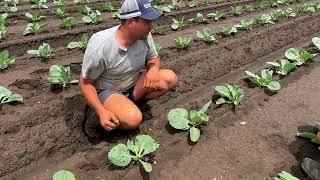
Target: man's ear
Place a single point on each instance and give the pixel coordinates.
(129, 22)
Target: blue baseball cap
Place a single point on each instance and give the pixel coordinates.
(138, 8)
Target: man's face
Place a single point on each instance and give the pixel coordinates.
(141, 28)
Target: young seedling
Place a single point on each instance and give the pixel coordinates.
(177, 25)
(192, 4)
(107, 7)
(137, 150)
(3, 32)
(264, 80)
(299, 57)
(34, 28)
(249, 8)
(245, 25)
(158, 2)
(82, 44)
(161, 51)
(237, 11)
(163, 8)
(116, 15)
(263, 5)
(63, 175)
(81, 1)
(175, 4)
(276, 15)
(311, 136)
(183, 42)
(229, 94)
(306, 8)
(284, 67)
(59, 2)
(265, 19)
(316, 42)
(5, 59)
(6, 96)
(206, 2)
(217, 15)
(158, 30)
(67, 23)
(34, 16)
(274, 3)
(228, 31)
(44, 51)
(61, 75)
(285, 176)
(199, 19)
(181, 119)
(12, 2)
(85, 10)
(39, 4)
(207, 36)
(3, 19)
(61, 12)
(93, 18)
(7, 8)
(289, 13)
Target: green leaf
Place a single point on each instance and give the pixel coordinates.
(194, 116)
(119, 155)
(148, 143)
(274, 64)
(194, 134)
(316, 42)
(252, 74)
(75, 81)
(87, 19)
(4, 92)
(33, 52)
(178, 118)
(274, 86)
(221, 101)
(64, 175)
(292, 54)
(15, 97)
(223, 91)
(307, 135)
(205, 108)
(73, 45)
(147, 166)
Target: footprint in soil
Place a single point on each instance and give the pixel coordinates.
(302, 148)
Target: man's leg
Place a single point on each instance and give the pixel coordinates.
(312, 168)
(125, 110)
(168, 80)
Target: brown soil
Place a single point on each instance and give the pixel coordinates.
(44, 133)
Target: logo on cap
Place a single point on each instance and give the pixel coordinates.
(147, 5)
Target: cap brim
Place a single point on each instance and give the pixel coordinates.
(152, 15)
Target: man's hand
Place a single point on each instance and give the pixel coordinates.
(108, 119)
(152, 79)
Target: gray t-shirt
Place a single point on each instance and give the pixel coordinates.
(112, 67)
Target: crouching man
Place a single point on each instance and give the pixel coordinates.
(121, 67)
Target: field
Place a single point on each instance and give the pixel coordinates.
(252, 141)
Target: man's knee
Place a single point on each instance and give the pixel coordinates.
(171, 78)
(134, 119)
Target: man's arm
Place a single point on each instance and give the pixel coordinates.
(89, 91)
(153, 63)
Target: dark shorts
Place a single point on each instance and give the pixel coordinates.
(104, 94)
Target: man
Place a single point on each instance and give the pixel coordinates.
(121, 67)
(312, 167)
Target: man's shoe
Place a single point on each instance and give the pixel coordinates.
(312, 168)
(91, 125)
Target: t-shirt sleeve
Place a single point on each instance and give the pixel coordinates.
(152, 52)
(93, 62)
